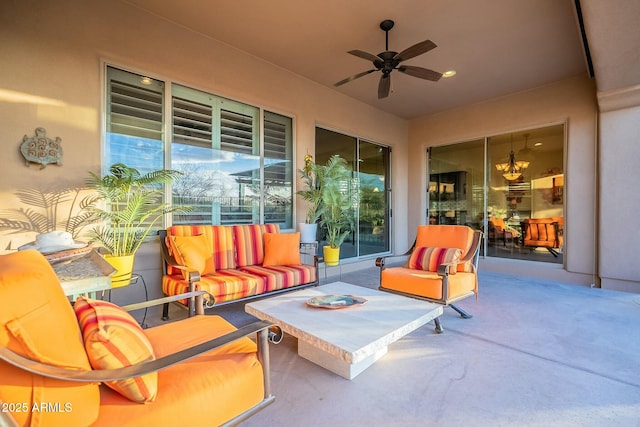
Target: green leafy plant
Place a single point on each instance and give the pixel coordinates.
(129, 205)
(311, 193)
(335, 186)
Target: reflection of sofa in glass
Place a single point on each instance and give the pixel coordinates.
(560, 221)
(501, 232)
(542, 233)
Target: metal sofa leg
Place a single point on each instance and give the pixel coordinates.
(275, 334)
(463, 313)
(439, 328)
(165, 311)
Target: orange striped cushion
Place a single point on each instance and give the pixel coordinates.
(113, 339)
(219, 237)
(249, 241)
(283, 276)
(429, 258)
(452, 236)
(224, 285)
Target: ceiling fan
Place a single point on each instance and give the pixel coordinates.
(388, 61)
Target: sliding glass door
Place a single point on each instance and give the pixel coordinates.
(370, 190)
(373, 224)
(516, 195)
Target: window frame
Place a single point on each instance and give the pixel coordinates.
(261, 113)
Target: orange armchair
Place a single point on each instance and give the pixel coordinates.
(199, 371)
(498, 230)
(542, 233)
(442, 267)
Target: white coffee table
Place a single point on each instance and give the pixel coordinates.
(345, 341)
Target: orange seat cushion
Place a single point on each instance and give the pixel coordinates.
(37, 321)
(224, 285)
(207, 390)
(283, 276)
(426, 284)
(113, 339)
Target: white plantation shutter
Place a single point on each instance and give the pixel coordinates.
(278, 168)
(238, 132)
(277, 143)
(192, 123)
(134, 109)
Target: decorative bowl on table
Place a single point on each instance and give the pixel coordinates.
(335, 301)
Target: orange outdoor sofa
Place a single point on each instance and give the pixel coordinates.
(441, 267)
(232, 263)
(543, 233)
(91, 364)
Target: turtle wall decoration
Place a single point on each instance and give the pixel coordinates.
(41, 149)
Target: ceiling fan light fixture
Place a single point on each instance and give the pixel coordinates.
(512, 169)
(510, 176)
(449, 73)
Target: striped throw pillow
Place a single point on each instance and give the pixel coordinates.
(113, 339)
(249, 242)
(429, 258)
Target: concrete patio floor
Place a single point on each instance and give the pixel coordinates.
(536, 353)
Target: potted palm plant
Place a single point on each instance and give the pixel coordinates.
(335, 186)
(312, 195)
(129, 205)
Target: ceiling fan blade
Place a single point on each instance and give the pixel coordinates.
(355, 76)
(364, 55)
(384, 86)
(421, 73)
(415, 50)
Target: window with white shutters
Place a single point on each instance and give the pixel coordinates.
(230, 174)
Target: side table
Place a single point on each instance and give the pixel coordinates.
(84, 275)
(308, 251)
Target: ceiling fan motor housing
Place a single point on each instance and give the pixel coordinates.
(387, 64)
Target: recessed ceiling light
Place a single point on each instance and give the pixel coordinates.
(449, 73)
(537, 144)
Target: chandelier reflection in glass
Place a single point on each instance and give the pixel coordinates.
(512, 169)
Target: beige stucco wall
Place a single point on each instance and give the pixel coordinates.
(619, 197)
(573, 102)
(53, 53)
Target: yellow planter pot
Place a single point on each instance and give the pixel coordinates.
(331, 255)
(124, 267)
